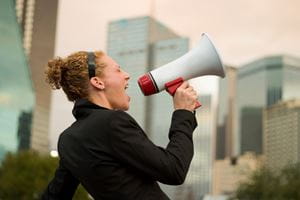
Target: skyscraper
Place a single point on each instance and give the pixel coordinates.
(262, 83)
(16, 91)
(199, 177)
(37, 19)
(225, 122)
(255, 86)
(24, 130)
(281, 131)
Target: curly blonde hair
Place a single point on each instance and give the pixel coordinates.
(71, 74)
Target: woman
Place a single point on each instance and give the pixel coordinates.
(105, 149)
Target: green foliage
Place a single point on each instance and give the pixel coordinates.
(25, 175)
(265, 184)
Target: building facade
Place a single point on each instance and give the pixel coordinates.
(260, 84)
(229, 172)
(243, 97)
(37, 19)
(281, 131)
(198, 182)
(16, 86)
(225, 115)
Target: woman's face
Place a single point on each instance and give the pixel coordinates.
(115, 83)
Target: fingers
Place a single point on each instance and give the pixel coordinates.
(184, 85)
(185, 97)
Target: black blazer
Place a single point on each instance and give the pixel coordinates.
(111, 156)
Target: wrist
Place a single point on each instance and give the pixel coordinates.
(187, 109)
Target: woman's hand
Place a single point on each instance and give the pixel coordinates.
(185, 97)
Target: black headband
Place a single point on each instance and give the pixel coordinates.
(91, 64)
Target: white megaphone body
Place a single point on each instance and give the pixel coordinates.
(201, 60)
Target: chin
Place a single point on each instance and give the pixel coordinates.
(122, 107)
(125, 108)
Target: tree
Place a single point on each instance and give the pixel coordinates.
(267, 184)
(25, 175)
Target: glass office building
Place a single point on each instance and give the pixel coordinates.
(260, 84)
(16, 91)
(257, 85)
(199, 177)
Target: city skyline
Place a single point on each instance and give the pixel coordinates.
(253, 112)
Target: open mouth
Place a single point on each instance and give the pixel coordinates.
(126, 87)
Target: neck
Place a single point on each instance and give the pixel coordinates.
(100, 100)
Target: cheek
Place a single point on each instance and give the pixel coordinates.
(115, 90)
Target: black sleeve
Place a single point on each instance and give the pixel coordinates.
(170, 165)
(62, 186)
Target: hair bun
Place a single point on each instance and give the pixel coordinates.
(54, 71)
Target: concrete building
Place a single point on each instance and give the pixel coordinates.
(225, 114)
(281, 131)
(228, 173)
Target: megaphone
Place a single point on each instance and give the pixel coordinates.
(201, 60)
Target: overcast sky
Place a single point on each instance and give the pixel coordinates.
(242, 30)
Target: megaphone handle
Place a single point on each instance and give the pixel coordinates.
(172, 86)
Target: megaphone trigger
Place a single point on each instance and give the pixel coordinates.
(172, 86)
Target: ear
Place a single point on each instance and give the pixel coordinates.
(97, 83)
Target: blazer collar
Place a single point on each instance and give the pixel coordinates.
(82, 107)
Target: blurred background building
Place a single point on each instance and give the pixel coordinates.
(37, 19)
(27, 37)
(17, 96)
(245, 94)
(281, 131)
(225, 115)
(229, 172)
(198, 182)
(262, 83)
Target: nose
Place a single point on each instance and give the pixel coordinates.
(127, 76)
